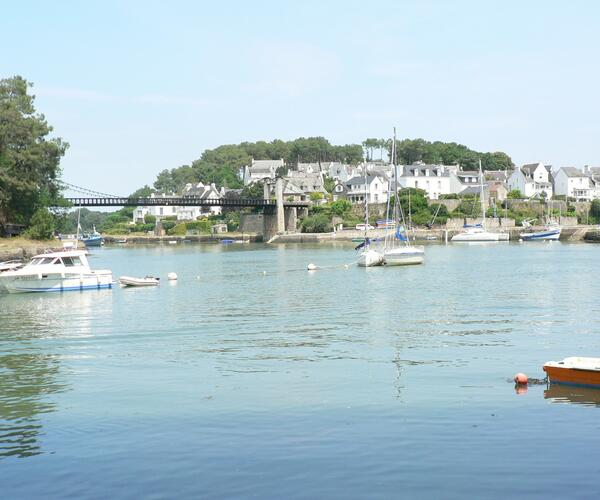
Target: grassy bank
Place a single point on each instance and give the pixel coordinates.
(22, 248)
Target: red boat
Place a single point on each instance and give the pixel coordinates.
(574, 371)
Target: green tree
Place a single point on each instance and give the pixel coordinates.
(370, 145)
(42, 225)
(341, 207)
(515, 194)
(316, 196)
(254, 190)
(328, 183)
(594, 214)
(29, 159)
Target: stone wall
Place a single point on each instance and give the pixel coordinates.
(449, 204)
(490, 223)
(251, 223)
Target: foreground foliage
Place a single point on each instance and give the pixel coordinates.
(29, 159)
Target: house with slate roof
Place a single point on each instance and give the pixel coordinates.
(532, 180)
(203, 192)
(574, 183)
(357, 189)
(434, 179)
(261, 170)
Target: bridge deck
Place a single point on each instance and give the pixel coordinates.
(182, 202)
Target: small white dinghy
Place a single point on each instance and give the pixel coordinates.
(133, 281)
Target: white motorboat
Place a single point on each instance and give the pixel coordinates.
(478, 232)
(551, 232)
(58, 271)
(133, 281)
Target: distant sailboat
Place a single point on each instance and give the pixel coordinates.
(397, 250)
(478, 232)
(368, 257)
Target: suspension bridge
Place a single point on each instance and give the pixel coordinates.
(279, 216)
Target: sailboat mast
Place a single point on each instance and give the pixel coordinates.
(78, 226)
(481, 196)
(366, 204)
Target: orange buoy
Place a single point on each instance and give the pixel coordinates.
(521, 378)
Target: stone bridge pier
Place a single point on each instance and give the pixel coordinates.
(278, 219)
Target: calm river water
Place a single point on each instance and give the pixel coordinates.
(367, 383)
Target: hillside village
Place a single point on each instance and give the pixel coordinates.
(320, 182)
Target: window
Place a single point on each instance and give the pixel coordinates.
(160, 211)
(416, 184)
(439, 184)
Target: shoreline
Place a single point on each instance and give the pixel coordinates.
(20, 248)
(573, 233)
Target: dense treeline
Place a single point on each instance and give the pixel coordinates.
(222, 165)
(445, 153)
(29, 159)
(450, 153)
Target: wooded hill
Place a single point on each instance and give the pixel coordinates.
(222, 165)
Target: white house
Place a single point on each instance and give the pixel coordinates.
(463, 181)
(434, 179)
(572, 182)
(532, 180)
(203, 192)
(259, 170)
(200, 190)
(158, 211)
(377, 188)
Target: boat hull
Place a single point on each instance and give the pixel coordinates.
(370, 258)
(479, 236)
(574, 371)
(404, 256)
(132, 281)
(57, 283)
(552, 235)
(94, 241)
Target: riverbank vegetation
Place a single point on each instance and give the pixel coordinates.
(29, 161)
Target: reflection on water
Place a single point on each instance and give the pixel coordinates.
(250, 376)
(586, 396)
(30, 376)
(26, 381)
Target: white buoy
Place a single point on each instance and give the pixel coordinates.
(311, 267)
(264, 273)
(345, 266)
(172, 276)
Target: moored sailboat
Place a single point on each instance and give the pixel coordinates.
(368, 257)
(397, 250)
(478, 232)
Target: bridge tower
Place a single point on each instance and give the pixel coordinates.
(278, 219)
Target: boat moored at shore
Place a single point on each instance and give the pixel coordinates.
(58, 271)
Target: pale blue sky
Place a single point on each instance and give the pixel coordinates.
(139, 86)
